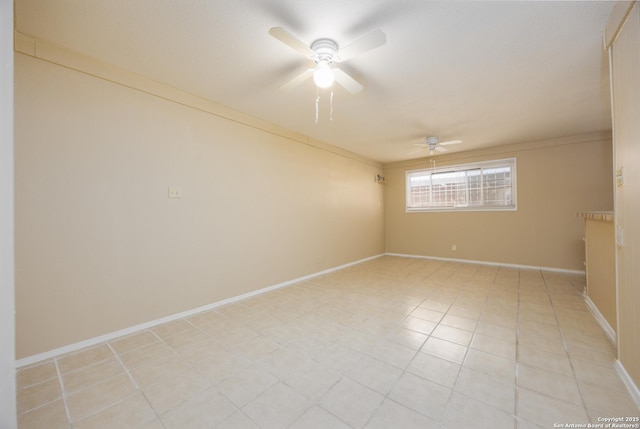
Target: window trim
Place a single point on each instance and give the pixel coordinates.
(511, 162)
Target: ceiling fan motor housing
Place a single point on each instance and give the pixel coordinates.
(326, 51)
(432, 142)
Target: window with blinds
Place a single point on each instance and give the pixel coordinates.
(489, 185)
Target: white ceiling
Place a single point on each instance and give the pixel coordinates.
(489, 73)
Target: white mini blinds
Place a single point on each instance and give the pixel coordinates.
(488, 185)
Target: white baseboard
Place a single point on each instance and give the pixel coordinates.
(496, 264)
(628, 382)
(29, 360)
(608, 330)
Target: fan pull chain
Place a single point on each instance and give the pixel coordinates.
(317, 102)
(318, 105)
(331, 107)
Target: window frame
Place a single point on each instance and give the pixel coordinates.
(482, 165)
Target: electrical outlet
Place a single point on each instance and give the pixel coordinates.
(454, 247)
(175, 192)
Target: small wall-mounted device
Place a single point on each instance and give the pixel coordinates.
(619, 236)
(620, 176)
(379, 179)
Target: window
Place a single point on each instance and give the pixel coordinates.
(489, 185)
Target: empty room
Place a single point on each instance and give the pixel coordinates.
(306, 214)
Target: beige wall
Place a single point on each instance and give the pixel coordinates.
(625, 69)
(100, 246)
(555, 180)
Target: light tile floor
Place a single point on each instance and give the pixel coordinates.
(390, 343)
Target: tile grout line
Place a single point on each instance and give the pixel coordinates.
(566, 348)
(467, 347)
(138, 389)
(212, 385)
(62, 391)
(65, 395)
(493, 287)
(464, 358)
(124, 367)
(516, 410)
(404, 370)
(33, 385)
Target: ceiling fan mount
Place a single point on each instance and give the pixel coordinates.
(325, 50)
(432, 142)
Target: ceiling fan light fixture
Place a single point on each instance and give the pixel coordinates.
(324, 52)
(323, 75)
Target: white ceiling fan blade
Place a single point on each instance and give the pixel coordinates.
(416, 151)
(450, 142)
(440, 149)
(366, 43)
(297, 80)
(292, 41)
(347, 82)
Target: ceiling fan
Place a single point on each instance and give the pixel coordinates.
(434, 146)
(324, 53)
